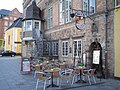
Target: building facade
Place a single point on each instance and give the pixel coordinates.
(117, 37)
(77, 38)
(7, 17)
(13, 37)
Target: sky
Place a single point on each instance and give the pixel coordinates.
(11, 4)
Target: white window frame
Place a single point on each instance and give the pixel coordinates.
(65, 49)
(14, 18)
(77, 49)
(64, 11)
(24, 26)
(55, 48)
(11, 18)
(5, 23)
(50, 17)
(39, 26)
(10, 23)
(92, 3)
(28, 28)
(5, 28)
(87, 8)
(117, 4)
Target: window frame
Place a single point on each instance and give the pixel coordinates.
(28, 28)
(64, 11)
(50, 18)
(88, 8)
(65, 49)
(8, 39)
(6, 23)
(117, 3)
(77, 52)
(38, 24)
(55, 47)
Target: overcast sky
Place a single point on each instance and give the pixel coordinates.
(11, 4)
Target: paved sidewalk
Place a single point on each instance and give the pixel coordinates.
(12, 79)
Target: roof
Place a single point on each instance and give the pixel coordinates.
(17, 23)
(33, 12)
(4, 11)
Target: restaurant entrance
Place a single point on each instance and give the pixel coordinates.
(95, 57)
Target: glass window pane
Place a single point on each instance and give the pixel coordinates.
(36, 25)
(85, 6)
(65, 48)
(92, 6)
(28, 26)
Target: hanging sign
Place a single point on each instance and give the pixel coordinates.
(96, 56)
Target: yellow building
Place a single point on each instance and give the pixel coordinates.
(13, 36)
(1, 43)
(117, 38)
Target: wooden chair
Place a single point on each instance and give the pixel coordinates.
(37, 69)
(90, 74)
(65, 74)
(62, 66)
(41, 77)
(56, 74)
(75, 73)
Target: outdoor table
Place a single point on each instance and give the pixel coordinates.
(52, 71)
(80, 68)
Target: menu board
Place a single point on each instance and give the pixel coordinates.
(96, 56)
(25, 65)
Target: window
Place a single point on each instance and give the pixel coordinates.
(65, 48)
(89, 6)
(23, 26)
(10, 23)
(29, 25)
(11, 18)
(9, 40)
(5, 28)
(117, 2)
(15, 18)
(65, 11)
(50, 13)
(37, 25)
(6, 23)
(55, 48)
(6, 18)
(77, 46)
(92, 6)
(47, 48)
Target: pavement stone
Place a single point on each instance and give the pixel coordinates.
(12, 79)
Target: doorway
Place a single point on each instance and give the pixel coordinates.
(96, 46)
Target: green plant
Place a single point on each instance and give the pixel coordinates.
(80, 64)
(40, 60)
(52, 67)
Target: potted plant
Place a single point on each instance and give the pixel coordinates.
(52, 67)
(80, 64)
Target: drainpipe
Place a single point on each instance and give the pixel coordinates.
(106, 37)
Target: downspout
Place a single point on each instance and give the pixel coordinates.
(106, 38)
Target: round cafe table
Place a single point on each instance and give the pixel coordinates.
(52, 71)
(80, 68)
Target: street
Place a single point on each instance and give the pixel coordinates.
(10, 76)
(12, 79)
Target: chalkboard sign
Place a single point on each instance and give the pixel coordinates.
(25, 65)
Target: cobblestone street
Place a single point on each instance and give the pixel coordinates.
(12, 79)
